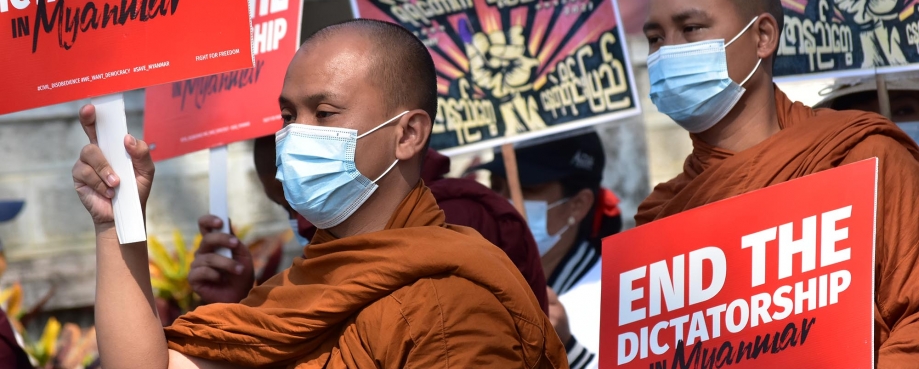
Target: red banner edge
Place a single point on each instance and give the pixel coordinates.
(874, 243)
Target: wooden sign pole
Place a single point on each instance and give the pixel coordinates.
(883, 96)
(513, 179)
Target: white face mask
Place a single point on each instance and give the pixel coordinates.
(303, 241)
(316, 167)
(537, 220)
(690, 82)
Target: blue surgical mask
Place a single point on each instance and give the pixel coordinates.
(295, 226)
(690, 82)
(537, 218)
(316, 167)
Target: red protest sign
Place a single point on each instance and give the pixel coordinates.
(63, 50)
(204, 112)
(777, 278)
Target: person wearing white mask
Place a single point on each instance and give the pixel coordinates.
(569, 214)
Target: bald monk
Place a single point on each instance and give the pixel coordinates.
(384, 284)
(748, 135)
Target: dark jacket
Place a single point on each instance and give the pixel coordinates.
(468, 203)
(11, 355)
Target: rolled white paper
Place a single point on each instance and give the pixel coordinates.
(111, 128)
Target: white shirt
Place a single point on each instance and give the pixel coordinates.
(582, 305)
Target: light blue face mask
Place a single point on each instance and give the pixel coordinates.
(316, 167)
(537, 220)
(690, 82)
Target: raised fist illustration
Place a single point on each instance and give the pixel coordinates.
(498, 62)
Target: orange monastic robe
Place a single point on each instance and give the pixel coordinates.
(812, 140)
(419, 294)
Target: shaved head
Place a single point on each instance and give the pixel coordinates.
(375, 80)
(401, 64)
(752, 8)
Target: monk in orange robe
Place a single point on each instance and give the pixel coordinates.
(385, 283)
(748, 135)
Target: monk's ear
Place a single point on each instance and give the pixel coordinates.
(415, 128)
(768, 35)
(581, 204)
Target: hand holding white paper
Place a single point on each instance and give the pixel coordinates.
(111, 128)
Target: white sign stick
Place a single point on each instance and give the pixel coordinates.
(217, 176)
(111, 128)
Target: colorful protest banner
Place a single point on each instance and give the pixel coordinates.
(512, 70)
(781, 277)
(205, 112)
(58, 51)
(844, 38)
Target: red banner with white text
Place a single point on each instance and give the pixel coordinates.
(56, 51)
(777, 278)
(204, 112)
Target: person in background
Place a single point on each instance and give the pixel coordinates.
(12, 355)
(468, 203)
(216, 278)
(264, 155)
(711, 70)
(862, 94)
(385, 282)
(569, 214)
(9, 209)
